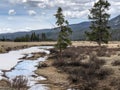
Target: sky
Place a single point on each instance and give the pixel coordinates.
(26, 15)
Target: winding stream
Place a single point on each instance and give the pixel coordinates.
(26, 68)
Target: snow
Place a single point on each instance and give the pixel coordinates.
(1, 73)
(24, 67)
(14, 56)
(29, 55)
(39, 87)
(9, 60)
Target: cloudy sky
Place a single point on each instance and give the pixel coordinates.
(25, 15)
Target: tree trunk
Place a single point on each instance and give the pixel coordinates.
(60, 54)
(99, 43)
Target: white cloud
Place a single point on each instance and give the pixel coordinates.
(76, 14)
(24, 1)
(74, 6)
(28, 28)
(43, 13)
(41, 5)
(5, 30)
(11, 12)
(17, 1)
(32, 12)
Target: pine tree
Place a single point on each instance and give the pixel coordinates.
(33, 36)
(63, 38)
(27, 38)
(99, 22)
(43, 36)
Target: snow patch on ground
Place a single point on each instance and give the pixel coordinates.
(26, 68)
(29, 55)
(39, 87)
(10, 59)
(1, 73)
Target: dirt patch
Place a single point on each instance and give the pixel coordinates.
(56, 79)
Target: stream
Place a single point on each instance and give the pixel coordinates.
(13, 66)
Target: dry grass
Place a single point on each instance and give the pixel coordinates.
(4, 83)
(7, 46)
(89, 67)
(55, 79)
(116, 63)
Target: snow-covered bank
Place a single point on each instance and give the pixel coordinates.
(25, 67)
(10, 59)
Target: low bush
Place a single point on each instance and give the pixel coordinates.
(53, 51)
(103, 73)
(59, 63)
(42, 65)
(84, 68)
(19, 82)
(116, 83)
(116, 63)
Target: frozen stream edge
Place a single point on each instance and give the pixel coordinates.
(25, 67)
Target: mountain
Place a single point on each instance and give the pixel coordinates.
(115, 28)
(115, 22)
(78, 31)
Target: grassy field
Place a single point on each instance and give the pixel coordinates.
(7, 46)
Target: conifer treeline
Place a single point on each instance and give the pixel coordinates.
(31, 38)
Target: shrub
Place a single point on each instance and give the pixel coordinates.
(84, 74)
(4, 83)
(74, 78)
(98, 61)
(116, 63)
(103, 73)
(53, 51)
(19, 82)
(42, 65)
(59, 63)
(116, 83)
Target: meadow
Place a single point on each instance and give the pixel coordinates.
(84, 65)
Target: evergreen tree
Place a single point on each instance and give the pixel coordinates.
(37, 37)
(99, 22)
(3, 38)
(27, 38)
(63, 38)
(33, 36)
(43, 36)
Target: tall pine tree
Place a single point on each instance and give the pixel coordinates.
(99, 22)
(63, 38)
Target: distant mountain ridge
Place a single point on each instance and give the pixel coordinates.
(78, 31)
